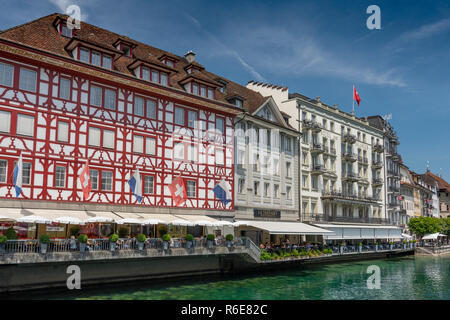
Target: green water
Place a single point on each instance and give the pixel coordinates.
(401, 278)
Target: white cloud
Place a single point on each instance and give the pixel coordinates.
(427, 31)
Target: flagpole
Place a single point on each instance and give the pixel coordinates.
(353, 100)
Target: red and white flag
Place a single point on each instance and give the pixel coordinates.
(85, 179)
(178, 190)
(356, 96)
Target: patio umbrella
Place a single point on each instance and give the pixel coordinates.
(205, 223)
(100, 219)
(240, 223)
(224, 223)
(154, 221)
(34, 219)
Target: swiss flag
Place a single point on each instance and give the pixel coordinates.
(85, 180)
(178, 190)
(356, 96)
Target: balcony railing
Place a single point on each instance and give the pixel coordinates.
(308, 124)
(377, 181)
(350, 156)
(317, 147)
(333, 151)
(377, 163)
(350, 176)
(348, 137)
(346, 195)
(318, 168)
(378, 148)
(334, 218)
(363, 160)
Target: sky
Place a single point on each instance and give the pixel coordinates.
(317, 48)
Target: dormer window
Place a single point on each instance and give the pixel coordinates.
(168, 60)
(95, 58)
(199, 89)
(223, 85)
(192, 69)
(63, 29)
(153, 75)
(238, 102)
(126, 47)
(126, 50)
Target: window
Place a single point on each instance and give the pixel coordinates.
(94, 178)
(164, 77)
(5, 121)
(238, 103)
(26, 172)
(138, 106)
(110, 99)
(107, 62)
(65, 31)
(179, 116)
(145, 73)
(60, 177)
(192, 153)
(3, 170)
(84, 55)
(96, 59)
(138, 144)
(27, 80)
(178, 151)
(150, 146)
(149, 184)
(108, 139)
(220, 125)
(220, 157)
(314, 182)
(96, 96)
(276, 190)
(241, 185)
(288, 169)
(266, 189)
(6, 74)
(288, 143)
(107, 177)
(210, 93)
(191, 189)
(288, 193)
(305, 158)
(192, 118)
(203, 91)
(256, 188)
(94, 137)
(63, 131)
(64, 88)
(151, 109)
(25, 125)
(305, 181)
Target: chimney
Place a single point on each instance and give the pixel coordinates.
(190, 56)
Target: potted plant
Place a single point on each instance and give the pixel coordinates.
(404, 244)
(113, 241)
(376, 246)
(82, 239)
(75, 230)
(141, 239)
(210, 240)
(391, 245)
(166, 239)
(341, 248)
(11, 234)
(229, 238)
(189, 240)
(44, 239)
(3, 241)
(360, 247)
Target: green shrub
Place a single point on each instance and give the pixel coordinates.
(391, 242)
(403, 241)
(265, 255)
(210, 237)
(123, 232)
(341, 245)
(44, 238)
(162, 230)
(360, 244)
(141, 237)
(114, 237)
(75, 230)
(229, 237)
(82, 238)
(189, 237)
(3, 239)
(294, 253)
(166, 237)
(11, 234)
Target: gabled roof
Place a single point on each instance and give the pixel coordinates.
(41, 34)
(442, 184)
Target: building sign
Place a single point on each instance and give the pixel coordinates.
(273, 214)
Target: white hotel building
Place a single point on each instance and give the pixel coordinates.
(342, 160)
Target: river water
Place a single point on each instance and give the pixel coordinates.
(400, 278)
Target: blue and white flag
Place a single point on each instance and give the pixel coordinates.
(222, 192)
(136, 185)
(18, 177)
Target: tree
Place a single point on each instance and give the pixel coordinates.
(425, 225)
(445, 222)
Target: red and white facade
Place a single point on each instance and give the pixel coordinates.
(59, 125)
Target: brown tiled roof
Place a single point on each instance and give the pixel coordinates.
(41, 34)
(442, 184)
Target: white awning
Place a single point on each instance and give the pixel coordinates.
(200, 220)
(158, 218)
(406, 236)
(433, 236)
(10, 214)
(350, 232)
(279, 227)
(101, 217)
(128, 218)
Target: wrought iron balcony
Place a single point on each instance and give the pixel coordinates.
(352, 176)
(308, 124)
(377, 163)
(318, 169)
(378, 148)
(348, 137)
(307, 217)
(350, 156)
(363, 160)
(317, 147)
(347, 196)
(393, 188)
(333, 151)
(377, 181)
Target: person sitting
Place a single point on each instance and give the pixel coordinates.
(73, 244)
